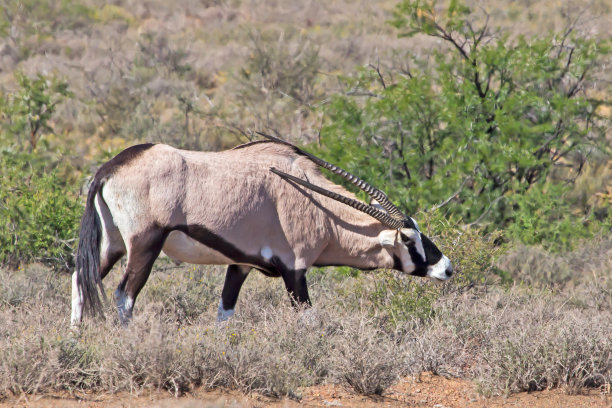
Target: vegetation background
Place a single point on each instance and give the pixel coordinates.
(488, 121)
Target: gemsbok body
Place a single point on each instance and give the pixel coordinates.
(262, 205)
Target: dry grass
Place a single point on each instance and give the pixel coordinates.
(505, 340)
(591, 261)
(521, 341)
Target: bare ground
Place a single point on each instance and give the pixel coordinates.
(426, 391)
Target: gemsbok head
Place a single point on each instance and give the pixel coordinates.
(262, 205)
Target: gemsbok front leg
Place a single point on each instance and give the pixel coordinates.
(297, 288)
(234, 278)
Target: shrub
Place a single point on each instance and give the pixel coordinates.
(541, 268)
(39, 214)
(543, 216)
(27, 112)
(277, 84)
(535, 341)
(366, 359)
(39, 217)
(43, 18)
(287, 66)
(475, 127)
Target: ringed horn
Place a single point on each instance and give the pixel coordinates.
(393, 218)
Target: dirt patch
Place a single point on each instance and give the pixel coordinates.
(429, 390)
(426, 390)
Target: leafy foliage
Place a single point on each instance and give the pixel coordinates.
(480, 124)
(543, 216)
(26, 15)
(28, 111)
(38, 213)
(38, 219)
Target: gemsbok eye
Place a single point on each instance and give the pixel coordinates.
(406, 239)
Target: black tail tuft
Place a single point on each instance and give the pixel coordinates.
(88, 254)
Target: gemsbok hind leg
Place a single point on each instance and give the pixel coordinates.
(78, 303)
(142, 252)
(107, 261)
(234, 278)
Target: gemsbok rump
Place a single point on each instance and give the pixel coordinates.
(262, 205)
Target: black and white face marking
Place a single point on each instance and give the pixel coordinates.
(438, 265)
(418, 255)
(412, 239)
(416, 226)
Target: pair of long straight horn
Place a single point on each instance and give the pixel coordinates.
(393, 217)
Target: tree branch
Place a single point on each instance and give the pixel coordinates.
(576, 87)
(455, 194)
(401, 150)
(377, 69)
(485, 212)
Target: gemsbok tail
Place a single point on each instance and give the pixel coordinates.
(89, 280)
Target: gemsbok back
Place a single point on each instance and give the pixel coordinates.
(262, 205)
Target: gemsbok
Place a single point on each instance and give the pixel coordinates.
(262, 205)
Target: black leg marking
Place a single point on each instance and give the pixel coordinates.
(108, 261)
(234, 278)
(295, 282)
(142, 253)
(139, 267)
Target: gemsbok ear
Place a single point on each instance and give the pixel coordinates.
(387, 238)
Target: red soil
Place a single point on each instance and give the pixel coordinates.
(427, 391)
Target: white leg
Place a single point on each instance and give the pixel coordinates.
(125, 304)
(77, 303)
(222, 314)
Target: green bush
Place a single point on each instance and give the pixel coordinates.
(39, 214)
(38, 217)
(43, 18)
(26, 114)
(543, 216)
(478, 125)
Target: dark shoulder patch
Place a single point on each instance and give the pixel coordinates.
(122, 159)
